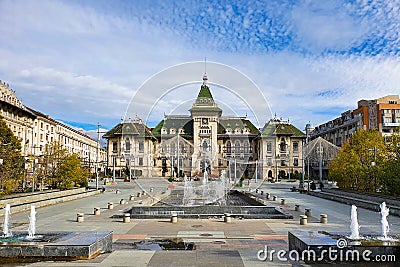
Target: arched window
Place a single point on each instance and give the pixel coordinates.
(237, 147)
(228, 147)
(283, 145)
(172, 148)
(205, 145)
(246, 147)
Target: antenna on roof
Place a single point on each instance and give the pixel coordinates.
(205, 65)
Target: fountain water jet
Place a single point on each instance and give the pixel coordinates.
(32, 223)
(354, 226)
(384, 221)
(6, 225)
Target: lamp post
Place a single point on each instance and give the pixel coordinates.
(97, 155)
(373, 164)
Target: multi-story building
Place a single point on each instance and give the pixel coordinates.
(36, 130)
(205, 140)
(281, 149)
(382, 114)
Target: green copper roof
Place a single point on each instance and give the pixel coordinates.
(234, 123)
(273, 129)
(129, 128)
(175, 122)
(205, 92)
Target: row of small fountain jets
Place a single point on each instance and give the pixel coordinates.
(355, 227)
(32, 223)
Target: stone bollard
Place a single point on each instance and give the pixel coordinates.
(96, 211)
(262, 192)
(257, 191)
(323, 218)
(174, 217)
(267, 195)
(139, 194)
(117, 191)
(151, 189)
(303, 220)
(122, 201)
(79, 217)
(110, 205)
(282, 201)
(127, 217)
(297, 207)
(143, 193)
(274, 198)
(227, 217)
(307, 212)
(131, 197)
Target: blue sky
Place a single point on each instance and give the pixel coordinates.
(83, 61)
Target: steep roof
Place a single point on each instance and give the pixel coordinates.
(234, 123)
(175, 122)
(275, 127)
(129, 128)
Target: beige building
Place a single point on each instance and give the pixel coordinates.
(35, 130)
(206, 140)
(281, 149)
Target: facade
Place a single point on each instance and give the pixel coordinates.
(281, 150)
(382, 114)
(35, 130)
(205, 140)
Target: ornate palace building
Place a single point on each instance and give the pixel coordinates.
(205, 140)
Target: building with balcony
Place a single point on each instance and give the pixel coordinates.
(206, 140)
(36, 130)
(382, 114)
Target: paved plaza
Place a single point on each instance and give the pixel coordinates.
(217, 243)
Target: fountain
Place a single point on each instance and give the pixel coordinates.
(50, 245)
(6, 225)
(354, 227)
(32, 223)
(207, 197)
(384, 221)
(353, 244)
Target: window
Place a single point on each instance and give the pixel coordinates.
(283, 163)
(228, 147)
(269, 147)
(41, 125)
(140, 161)
(114, 146)
(141, 146)
(295, 147)
(237, 147)
(246, 147)
(296, 162)
(127, 144)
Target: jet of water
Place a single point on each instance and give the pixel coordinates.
(384, 221)
(32, 223)
(354, 227)
(6, 225)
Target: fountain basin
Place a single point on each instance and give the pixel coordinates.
(54, 246)
(343, 249)
(196, 212)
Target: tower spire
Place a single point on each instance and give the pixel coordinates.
(205, 79)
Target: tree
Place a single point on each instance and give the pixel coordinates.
(391, 183)
(71, 173)
(353, 167)
(12, 167)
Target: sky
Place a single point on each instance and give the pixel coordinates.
(82, 62)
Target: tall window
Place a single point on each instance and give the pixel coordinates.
(296, 162)
(141, 146)
(246, 147)
(295, 147)
(283, 145)
(127, 145)
(140, 161)
(237, 147)
(269, 147)
(228, 147)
